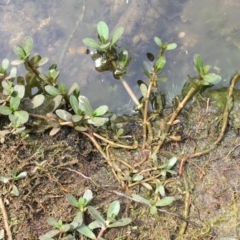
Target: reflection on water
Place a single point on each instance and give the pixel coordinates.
(209, 28)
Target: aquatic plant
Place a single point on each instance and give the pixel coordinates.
(57, 106)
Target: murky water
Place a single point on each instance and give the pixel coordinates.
(210, 28)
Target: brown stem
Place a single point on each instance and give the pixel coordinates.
(5, 219)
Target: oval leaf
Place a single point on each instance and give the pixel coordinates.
(27, 45)
(212, 78)
(103, 31)
(160, 63)
(113, 210)
(164, 201)
(5, 63)
(85, 106)
(4, 110)
(92, 43)
(100, 111)
(158, 41)
(95, 214)
(118, 33)
(21, 116)
(171, 46)
(20, 89)
(52, 90)
(120, 223)
(37, 101)
(84, 230)
(66, 116)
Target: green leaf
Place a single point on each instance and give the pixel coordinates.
(206, 68)
(84, 230)
(198, 63)
(171, 46)
(5, 179)
(117, 34)
(171, 162)
(164, 201)
(42, 61)
(95, 224)
(85, 106)
(54, 73)
(17, 62)
(105, 46)
(37, 101)
(15, 191)
(212, 78)
(49, 235)
(74, 103)
(5, 63)
(103, 31)
(65, 227)
(63, 114)
(57, 101)
(52, 90)
(77, 221)
(123, 58)
(52, 222)
(153, 210)
(143, 87)
(141, 199)
(12, 74)
(76, 118)
(98, 121)
(96, 214)
(21, 175)
(92, 43)
(19, 52)
(162, 79)
(62, 88)
(100, 111)
(137, 178)
(21, 117)
(158, 41)
(4, 110)
(120, 223)
(27, 45)
(145, 71)
(72, 200)
(113, 210)
(88, 196)
(74, 89)
(160, 63)
(20, 89)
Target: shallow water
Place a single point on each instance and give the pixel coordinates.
(209, 28)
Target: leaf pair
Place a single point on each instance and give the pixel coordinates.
(103, 32)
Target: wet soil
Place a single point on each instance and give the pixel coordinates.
(55, 167)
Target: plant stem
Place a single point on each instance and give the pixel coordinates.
(5, 219)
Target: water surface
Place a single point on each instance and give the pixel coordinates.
(210, 28)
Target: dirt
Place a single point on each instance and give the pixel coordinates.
(214, 183)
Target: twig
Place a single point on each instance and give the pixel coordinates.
(228, 107)
(5, 219)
